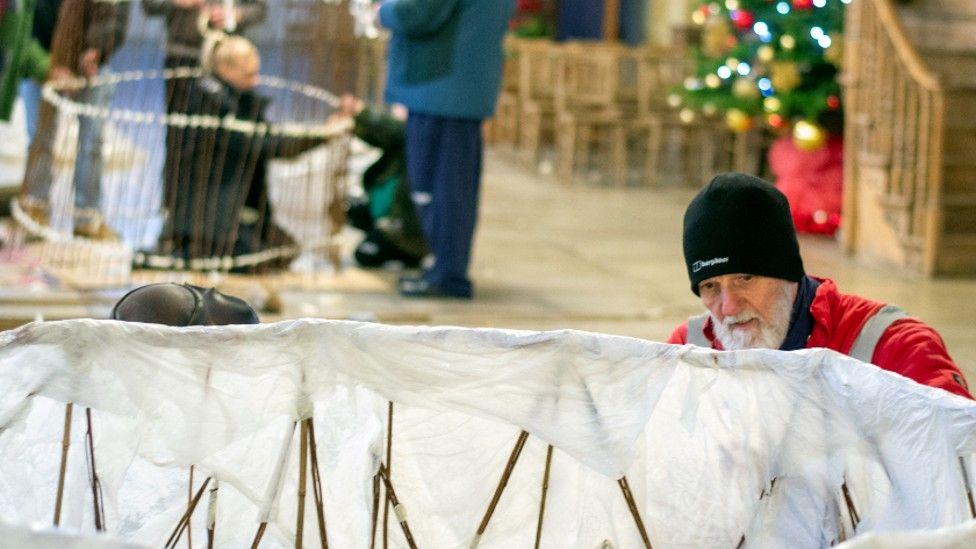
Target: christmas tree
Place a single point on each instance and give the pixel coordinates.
(772, 62)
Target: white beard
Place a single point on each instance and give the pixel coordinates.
(771, 333)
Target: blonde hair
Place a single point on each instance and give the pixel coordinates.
(225, 50)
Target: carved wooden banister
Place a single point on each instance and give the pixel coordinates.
(894, 135)
(903, 47)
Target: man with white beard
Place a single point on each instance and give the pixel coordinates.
(744, 263)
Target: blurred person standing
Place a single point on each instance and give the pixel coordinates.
(221, 205)
(187, 23)
(445, 66)
(87, 33)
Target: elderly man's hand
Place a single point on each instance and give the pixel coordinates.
(88, 63)
(350, 105)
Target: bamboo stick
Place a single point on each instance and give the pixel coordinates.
(212, 514)
(184, 522)
(389, 472)
(969, 487)
(96, 485)
(317, 485)
(545, 491)
(855, 518)
(302, 471)
(189, 501)
(65, 444)
(397, 507)
(376, 510)
(502, 482)
(632, 505)
(258, 535)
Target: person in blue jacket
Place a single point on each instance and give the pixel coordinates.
(445, 66)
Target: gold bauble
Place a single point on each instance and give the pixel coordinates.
(785, 76)
(687, 116)
(713, 81)
(738, 121)
(772, 104)
(808, 136)
(698, 17)
(732, 63)
(787, 41)
(715, 37)
(743, 88)
(765, 53)
(835, 53)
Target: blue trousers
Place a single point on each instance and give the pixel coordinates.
(30, 92)
(444, 171)
(87, 177)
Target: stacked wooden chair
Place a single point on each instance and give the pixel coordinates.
(587, 109)
(596, 97)
(538, 70)
(504, 127)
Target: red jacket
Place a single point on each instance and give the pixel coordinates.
(908, 347)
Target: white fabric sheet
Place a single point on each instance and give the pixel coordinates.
(716, 446)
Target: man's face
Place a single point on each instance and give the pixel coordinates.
(748, 311)
(241, 72)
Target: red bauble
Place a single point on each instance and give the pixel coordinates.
(803, 4)
(743, 19)
(529, 6)
(775, 121)
(833, 102)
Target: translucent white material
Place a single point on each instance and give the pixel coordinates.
(716, 446)
(962, 536)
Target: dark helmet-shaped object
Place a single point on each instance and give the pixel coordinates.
(182, 305)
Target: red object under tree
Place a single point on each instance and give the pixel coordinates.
(812, 182)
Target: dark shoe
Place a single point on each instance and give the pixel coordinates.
(377, 250)
(359, 216)
(419, 287)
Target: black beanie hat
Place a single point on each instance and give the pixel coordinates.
(740, 224)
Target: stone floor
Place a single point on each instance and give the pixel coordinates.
(549, 255)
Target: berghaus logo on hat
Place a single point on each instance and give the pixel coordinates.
(699, 265)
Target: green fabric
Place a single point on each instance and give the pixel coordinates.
(381, 197)
(386, 183)
(23, 55)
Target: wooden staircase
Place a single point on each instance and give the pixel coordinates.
(910, 172)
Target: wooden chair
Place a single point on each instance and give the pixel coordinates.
(701, 142)
(504, 126)
(587, 107)
(538, 66)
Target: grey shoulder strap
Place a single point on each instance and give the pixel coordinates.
(867, 340)
(696, 331)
